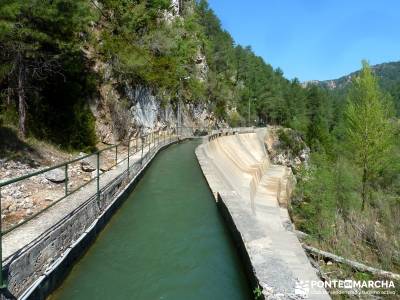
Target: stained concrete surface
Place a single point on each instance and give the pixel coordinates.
(253, 194)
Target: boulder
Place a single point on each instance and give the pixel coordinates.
(88, 164)
(56, 176)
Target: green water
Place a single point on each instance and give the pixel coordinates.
(167, 241)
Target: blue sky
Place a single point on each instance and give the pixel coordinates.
(315, 39)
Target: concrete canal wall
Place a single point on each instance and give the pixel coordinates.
(38, 255)
(252, 195)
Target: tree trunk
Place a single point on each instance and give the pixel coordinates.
(353, 264)
(21, 102)
(364, 188)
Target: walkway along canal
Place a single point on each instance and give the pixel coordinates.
(167, 241)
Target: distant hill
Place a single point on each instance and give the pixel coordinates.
(388, 74)
(389, 80)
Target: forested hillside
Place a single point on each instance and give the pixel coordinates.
(388, 75)
(59, 57)
(348, 198)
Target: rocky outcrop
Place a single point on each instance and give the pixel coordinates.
(137, 109)
(126, 109)
(176, 7)
(286, 147)
(201, 66)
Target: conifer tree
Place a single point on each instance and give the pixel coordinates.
(33, 35)
(369, 132)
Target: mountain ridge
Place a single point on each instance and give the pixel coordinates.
(388, 75)
(386, 71)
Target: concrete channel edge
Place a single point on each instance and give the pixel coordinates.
(45, 284)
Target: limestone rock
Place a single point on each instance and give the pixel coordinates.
(27, 204)
(88, 164)
(12, 207)
(56, 176)
(93, 174)
(16, 194)
(286, 147)
(5, 204)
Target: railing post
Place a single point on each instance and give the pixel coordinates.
(66, 179)
(129, 147)
(2, 283)
(149, 145)
(116, 154)
(141, 157)
(98, 175)
(279, 192)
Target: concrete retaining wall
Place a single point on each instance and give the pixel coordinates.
(252, 196)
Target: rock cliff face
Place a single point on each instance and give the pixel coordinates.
(124, 109)
(137, 110)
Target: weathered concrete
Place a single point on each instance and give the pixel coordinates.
(37, 254)
(252, 195)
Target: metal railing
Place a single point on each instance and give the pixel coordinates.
(143, 144)
(229, 131)
(140, 143)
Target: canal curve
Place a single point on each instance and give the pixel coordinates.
(167, 241)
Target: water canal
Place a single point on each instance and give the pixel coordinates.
(167, 241)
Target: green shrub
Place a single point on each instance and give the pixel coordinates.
(235, 119)
(290, 140)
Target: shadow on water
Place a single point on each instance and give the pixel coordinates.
(167, 241)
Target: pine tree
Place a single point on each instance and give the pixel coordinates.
(369, 132)
(33, 34)
(317, 107)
